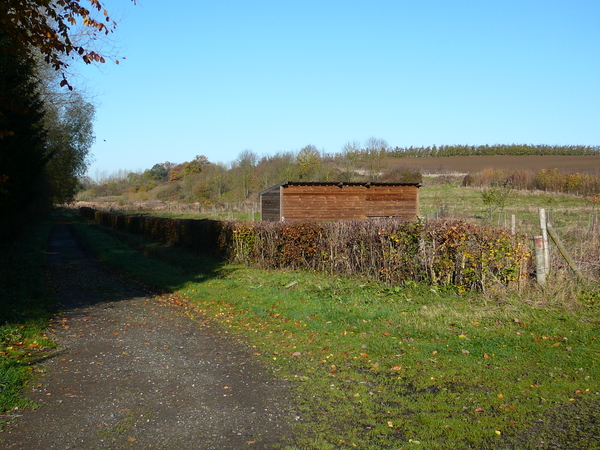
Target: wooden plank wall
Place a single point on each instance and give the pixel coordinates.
(270, 206)
(332, 203)
(393, 201)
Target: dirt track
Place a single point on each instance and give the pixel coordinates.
(131, 372)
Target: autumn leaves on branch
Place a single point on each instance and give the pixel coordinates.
(44, 27)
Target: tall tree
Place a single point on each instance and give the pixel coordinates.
(23, 138)
(197, 165)
(349, 160)
(245, 165)
(375, 152)
(308, 161)
(70, 137)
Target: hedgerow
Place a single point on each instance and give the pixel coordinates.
(553, 180)
(448, 253)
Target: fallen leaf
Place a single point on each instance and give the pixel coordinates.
(478, 410)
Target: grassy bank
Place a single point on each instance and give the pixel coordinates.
(25, 306)
(374, 367)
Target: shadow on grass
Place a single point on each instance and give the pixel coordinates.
(23, 296)
(25, 307)
(159, 268)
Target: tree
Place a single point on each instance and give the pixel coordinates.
(375, 151)
(276, 168)
(199, 163)
(70, 137)
(245, 165)
(158, 173)
(23, 137)
(308, 161)
(496, 196)
(46, 27)
(348, 160)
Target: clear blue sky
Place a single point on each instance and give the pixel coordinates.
(219, 77)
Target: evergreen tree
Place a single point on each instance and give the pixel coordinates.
(23, 139)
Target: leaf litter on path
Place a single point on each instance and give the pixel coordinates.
(133, 372)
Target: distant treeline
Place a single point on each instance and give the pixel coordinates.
(494, 150)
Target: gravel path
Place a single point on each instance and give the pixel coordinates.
(132, 372)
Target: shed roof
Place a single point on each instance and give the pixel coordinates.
(334, 183)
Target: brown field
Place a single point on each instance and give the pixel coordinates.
(465, 164)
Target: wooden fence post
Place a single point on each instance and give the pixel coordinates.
(540, 270)
(544, 226)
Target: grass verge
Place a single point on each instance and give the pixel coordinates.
(25, 307)
(374, 367)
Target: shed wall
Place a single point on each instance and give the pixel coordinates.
(332, 203)
(271, 206)
(392, 201)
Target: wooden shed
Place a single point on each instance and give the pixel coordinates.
(332, 201)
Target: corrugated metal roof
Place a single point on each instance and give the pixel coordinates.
(345, 183)
(334, 183)
(281, 183)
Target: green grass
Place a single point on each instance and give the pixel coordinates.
(184, 211)
(220, 215)
(25, 307)
(564, 210)
(374, 367)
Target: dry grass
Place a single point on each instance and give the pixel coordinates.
(575, 219)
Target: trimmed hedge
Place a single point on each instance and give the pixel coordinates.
(440, 253)
(199, 235)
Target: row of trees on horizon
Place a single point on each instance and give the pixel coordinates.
(496, 150)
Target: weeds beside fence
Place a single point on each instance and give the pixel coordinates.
(448, 253)
(553, 180)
